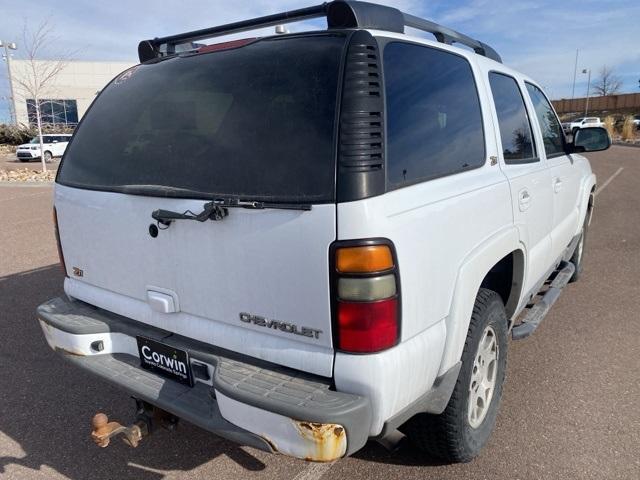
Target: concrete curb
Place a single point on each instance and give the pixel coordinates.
(622, 144)
(26, 184)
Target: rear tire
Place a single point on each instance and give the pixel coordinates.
(459, 433)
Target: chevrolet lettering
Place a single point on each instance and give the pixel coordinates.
(283, 326)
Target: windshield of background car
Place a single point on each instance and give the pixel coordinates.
(35, 140)
(256, 122)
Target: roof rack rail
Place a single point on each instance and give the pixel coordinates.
(339, 14)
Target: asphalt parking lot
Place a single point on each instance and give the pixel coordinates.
(8, 161)
(571, 406)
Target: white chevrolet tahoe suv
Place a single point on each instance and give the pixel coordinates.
(306, 241)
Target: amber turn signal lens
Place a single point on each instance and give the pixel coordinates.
(365, 259)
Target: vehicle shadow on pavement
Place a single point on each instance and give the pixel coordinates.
(404, 454)
(46, 405)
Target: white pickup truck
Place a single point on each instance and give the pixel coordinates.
(306, 241)
(586, 122)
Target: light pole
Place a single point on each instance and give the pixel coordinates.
(12, 106)
(575, 70)
(586, 107)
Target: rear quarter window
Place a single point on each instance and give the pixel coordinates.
(434, 120)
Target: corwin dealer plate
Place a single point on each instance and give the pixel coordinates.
(164, 360)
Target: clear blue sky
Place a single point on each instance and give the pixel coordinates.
(537, 37)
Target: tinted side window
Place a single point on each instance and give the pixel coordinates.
(434, 123)
(551, 130)
(515, 129)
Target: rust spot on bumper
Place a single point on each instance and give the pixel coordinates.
(75, 353)
(326, 441)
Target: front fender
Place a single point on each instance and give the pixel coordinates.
(470, 275)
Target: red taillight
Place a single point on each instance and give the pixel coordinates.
(55, 227)
(366, 293)
(366, 327)
(225, 45)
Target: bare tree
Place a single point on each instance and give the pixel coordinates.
(39, 76)
(607, 83)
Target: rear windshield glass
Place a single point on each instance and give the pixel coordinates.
(255, 122)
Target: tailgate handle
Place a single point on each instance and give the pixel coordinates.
(163, 302)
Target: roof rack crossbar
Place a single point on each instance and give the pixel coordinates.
(149, 49)
(244, 25)
(449, 36)
(339, 14)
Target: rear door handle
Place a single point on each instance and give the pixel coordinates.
(557, 185)
(524, 199)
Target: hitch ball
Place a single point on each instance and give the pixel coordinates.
(103, 430)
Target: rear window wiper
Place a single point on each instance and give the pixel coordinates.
(211, 211)
(218, 209)
(236, 203)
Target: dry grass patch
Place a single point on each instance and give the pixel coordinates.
(7, 149)
(628, 129)
(609, 124)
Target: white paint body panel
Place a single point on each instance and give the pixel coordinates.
(284, 351)
(449, 233)
(394, 378)
(271, 263)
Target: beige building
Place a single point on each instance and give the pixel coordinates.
(69, 94)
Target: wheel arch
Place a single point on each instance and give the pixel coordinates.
(587, 200)
(506, 278)
(496, 258)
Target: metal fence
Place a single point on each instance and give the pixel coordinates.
(623, 103)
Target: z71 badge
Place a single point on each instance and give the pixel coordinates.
(278, 325)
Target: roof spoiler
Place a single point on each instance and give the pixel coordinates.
(339, 14)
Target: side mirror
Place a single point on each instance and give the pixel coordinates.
(591, 139)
